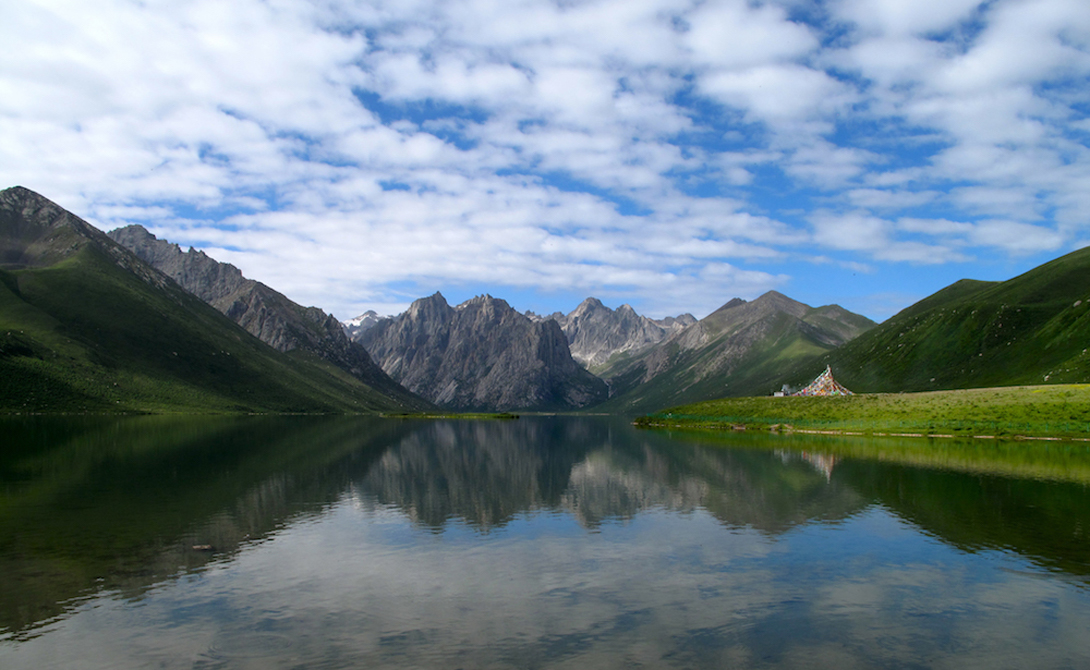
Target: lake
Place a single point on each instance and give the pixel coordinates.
(543, 542)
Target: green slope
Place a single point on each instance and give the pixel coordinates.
(742, 353)
(697, 375)
(86, 326)
(1053, 410)
(1032, 329)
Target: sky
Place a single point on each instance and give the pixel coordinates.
(668, 154)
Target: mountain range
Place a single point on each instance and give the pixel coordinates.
(128, 322)
(742, 348)
(449, 354)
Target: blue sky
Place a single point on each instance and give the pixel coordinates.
(671, 154)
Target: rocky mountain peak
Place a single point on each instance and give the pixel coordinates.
(590, 305)
(433, 306)
(37, 232)
(481, 355)
(487, 304)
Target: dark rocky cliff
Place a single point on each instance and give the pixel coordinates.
(481, 355)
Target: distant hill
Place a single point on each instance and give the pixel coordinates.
(265, 313)
(481, 355)
(86, 325)
(743, 348)
(1032, 329)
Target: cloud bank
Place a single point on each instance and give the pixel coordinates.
(358, 154)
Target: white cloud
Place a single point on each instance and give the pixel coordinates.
(736, 35)
(1016, 237)
(650, 146)
(777, 93)
(856, 231)
(895, 17)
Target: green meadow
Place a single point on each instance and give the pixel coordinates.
(1061, 410)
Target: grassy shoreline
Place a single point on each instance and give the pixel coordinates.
(1020, 412)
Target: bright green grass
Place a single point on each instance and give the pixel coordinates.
(1059, 410)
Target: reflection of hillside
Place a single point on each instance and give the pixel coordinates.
(1030, 498)
(486, 473)
(740, 487)
(1047, 522)
(120, 504)
(607, 486)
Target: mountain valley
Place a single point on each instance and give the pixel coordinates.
(128, 322)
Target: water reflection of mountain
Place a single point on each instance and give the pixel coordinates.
(88, 504)
(120, 504)
(740, 487)
(487, 473)
(484, 473)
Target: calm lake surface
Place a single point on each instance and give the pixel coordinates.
(546, 542)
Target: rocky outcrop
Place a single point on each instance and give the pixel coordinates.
(267, 314)
(481, 355)
(596, 333)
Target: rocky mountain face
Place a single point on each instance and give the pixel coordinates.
(742, 348)
(265, 313)
(596, 333)
(481, 355)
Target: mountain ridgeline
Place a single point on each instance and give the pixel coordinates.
(481, 355)
(597, 333)
(87, 326)
(264, 313)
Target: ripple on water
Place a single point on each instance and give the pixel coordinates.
(247, 644)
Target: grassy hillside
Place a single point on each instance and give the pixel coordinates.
(84, 334)
(694, 374)
(1032, 329)
(1055, 410)
(741, 349)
